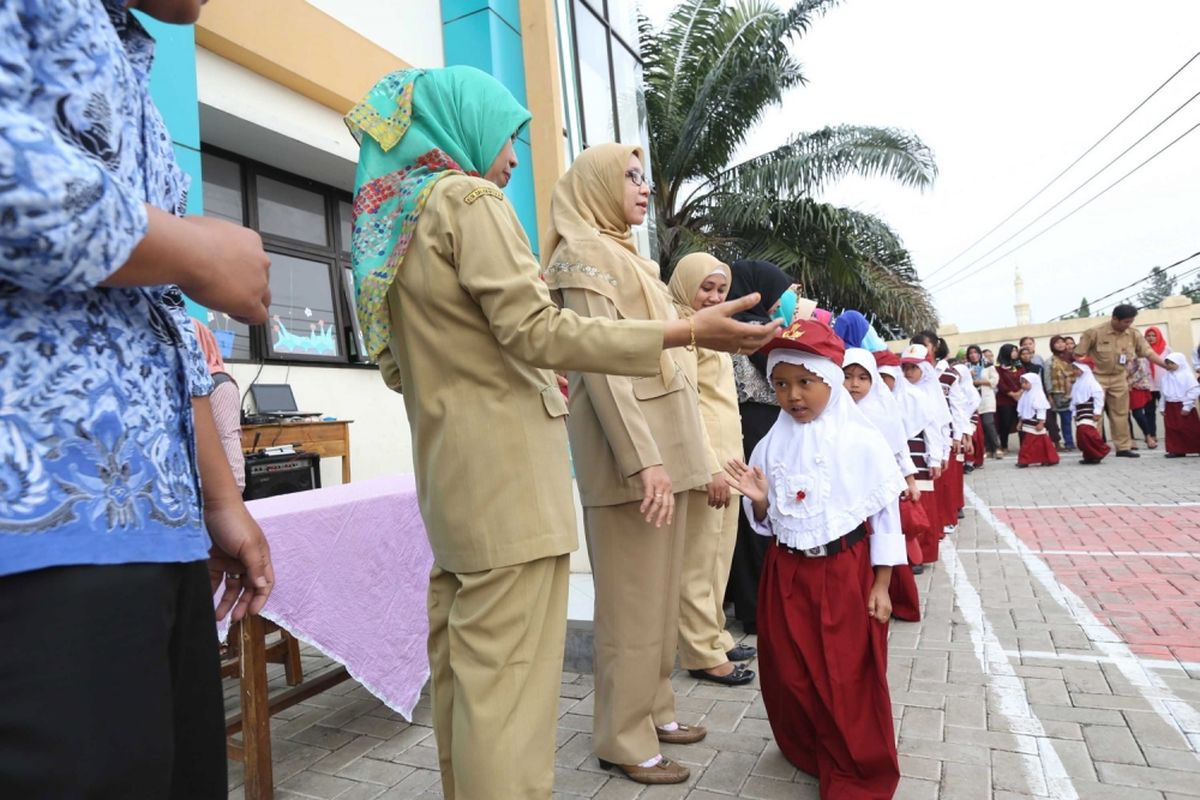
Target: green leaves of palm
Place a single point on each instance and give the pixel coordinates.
(712, 71)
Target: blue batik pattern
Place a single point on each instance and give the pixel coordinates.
(97, 453)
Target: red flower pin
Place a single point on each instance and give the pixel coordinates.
(800, 495)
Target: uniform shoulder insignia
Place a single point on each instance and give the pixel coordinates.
(483, 191)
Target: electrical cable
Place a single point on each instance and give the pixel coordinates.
(955, 280)
(1068, 168)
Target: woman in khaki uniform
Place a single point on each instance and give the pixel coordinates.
(706, 649)
(450, 302)
(629, 438)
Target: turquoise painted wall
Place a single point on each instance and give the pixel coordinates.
(173, 87)
(487, 34)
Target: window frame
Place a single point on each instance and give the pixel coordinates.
(612, 39)
(335, 255)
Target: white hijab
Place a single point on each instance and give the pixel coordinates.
(829, 475)
(1180, 386)
(879, 406)
(914, 405)
(1033, 399)
(930, 385)
(1087, 388)
(966, 387)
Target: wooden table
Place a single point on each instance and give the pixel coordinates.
(328, 439)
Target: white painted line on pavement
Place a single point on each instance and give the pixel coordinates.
(1149, 662)
(1153, 689)
(1096, 553)
(1045, 774)
(1097, 505)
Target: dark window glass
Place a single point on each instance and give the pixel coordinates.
(303, 322)
(345, 224)
(222, 188)
(286, 210)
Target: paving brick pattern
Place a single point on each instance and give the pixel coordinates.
(999, 693)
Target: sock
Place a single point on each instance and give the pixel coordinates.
(652, 762)
(670, 727)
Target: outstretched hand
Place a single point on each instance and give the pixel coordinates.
(716, 329)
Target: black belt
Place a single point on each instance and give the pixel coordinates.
(831, 549)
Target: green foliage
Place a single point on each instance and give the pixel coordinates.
(712, 72)
(1159, 287)
(1085, 310)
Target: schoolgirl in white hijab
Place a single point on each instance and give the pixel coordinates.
(931, 388)
(1180, 392)
(1036, 446)
(883, 410)
(820, 482)
(1087, 406)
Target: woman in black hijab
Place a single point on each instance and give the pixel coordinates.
(756, 402)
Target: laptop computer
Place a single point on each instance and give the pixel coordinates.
(277, 400)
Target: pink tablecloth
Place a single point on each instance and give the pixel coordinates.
(351, 574)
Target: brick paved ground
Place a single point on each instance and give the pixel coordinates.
(1034, 673)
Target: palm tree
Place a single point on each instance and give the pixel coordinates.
(712, 71)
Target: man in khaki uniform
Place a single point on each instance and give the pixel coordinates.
(1113, 345)
(471, 338)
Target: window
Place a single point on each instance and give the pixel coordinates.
(603, 98)
(305, 228)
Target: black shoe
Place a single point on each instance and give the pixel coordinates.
(751, 628)
(1174, 455)
(738, 677)
(1090, 461)
(918, 569)
(1026, 466)
(961, 514)
(743, 652)
(1127, 454)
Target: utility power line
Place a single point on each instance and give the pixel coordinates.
(1074, 191)
(1135, 283)
(955, 280)
(1068, 168)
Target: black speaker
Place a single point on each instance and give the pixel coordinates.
(267, 476)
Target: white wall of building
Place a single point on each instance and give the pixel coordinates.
(409, 29)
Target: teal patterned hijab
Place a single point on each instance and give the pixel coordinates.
(419, 126)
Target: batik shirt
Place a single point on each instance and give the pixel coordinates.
(97, 453)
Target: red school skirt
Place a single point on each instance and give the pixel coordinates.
(1036, 447)
(979, 443)
(906, 599)
(1087, 439)
(823, 669)
(1183, 430)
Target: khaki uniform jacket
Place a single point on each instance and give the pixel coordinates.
(719, 406)
(620, 426)
(1106, 347)
(475, 336)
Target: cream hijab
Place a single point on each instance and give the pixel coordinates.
(590, 245)
(691, 271)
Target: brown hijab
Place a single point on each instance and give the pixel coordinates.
(590, 245)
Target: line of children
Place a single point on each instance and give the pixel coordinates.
(1087, 402)
(880, 407)
(1032, 407)
(821, 482)
(931, 451)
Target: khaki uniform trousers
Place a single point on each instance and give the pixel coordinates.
(496, 643)
(707, 556)
(636, 569)
(1116, 408)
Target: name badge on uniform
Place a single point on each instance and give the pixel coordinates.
(1122, 360)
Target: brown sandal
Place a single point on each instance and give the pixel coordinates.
(665, 771)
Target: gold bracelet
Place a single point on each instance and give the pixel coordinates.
(692, 325)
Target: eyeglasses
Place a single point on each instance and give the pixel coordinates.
(638, 178)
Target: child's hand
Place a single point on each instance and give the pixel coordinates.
(912, 492)
(1041, 426)
(752, 483)
(879, 604)
(969, 445)
(935, 473)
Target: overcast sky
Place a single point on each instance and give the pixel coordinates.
(1007, 95)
